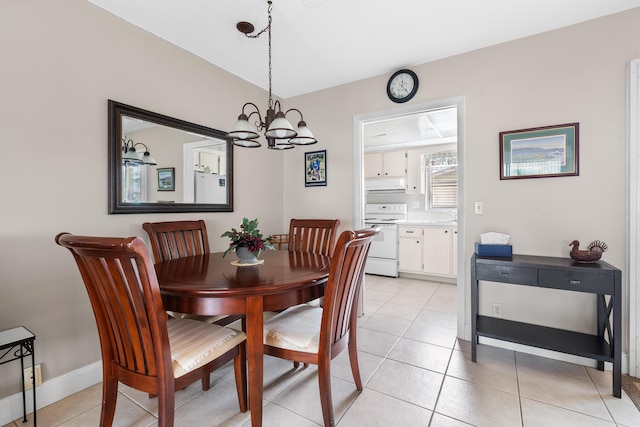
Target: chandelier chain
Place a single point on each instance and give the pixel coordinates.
(255, 36)
(269, 27)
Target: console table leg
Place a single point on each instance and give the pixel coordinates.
(617, 335)
(475, 300)
(24, 396)
(33, 382)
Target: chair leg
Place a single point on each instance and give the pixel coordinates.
(324, 382)
(166, 406)
(240, 370)
(353, 359)
(109, 397)
(206, 382)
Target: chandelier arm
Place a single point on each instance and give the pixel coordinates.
(295, 109)
(259, 124)
(125, 144)
(141, 143)
(253, 105)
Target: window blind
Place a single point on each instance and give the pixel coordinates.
(442, 179)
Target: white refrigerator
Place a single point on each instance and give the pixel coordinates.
(210, 188)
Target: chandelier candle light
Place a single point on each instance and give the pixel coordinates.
(279, 132)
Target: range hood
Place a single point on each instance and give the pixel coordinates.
(395, 183)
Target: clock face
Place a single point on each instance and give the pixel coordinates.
(402, 86)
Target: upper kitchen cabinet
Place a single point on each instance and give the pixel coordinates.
(210, 162)
(388, 163)
(415, 172)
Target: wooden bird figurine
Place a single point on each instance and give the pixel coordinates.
(591, 254)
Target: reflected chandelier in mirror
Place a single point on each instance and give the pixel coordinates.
(191, 169)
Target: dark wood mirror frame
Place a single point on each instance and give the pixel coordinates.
(116, 205)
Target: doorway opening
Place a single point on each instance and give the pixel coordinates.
(363, 126)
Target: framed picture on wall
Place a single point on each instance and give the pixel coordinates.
(539, 152)
(166, 179)
(315, 168)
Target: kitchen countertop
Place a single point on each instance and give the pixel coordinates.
(438, 222)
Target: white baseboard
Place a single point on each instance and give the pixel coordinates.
(50, 391)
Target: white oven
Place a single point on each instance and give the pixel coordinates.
(383, 252)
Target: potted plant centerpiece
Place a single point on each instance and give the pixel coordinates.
(247, 242)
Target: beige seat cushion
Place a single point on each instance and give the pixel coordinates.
(297, 328)
(195, 343)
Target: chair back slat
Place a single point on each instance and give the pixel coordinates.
(313, 235)
(344, 282)
(177, 239)
(126, 301)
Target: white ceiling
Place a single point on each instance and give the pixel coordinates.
(438, 126)
(318, 44)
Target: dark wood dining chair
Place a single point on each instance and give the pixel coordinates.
(179, 239)
(313, 235)
(141, 347)
(316, 335)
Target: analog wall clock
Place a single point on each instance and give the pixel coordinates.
(402, 86)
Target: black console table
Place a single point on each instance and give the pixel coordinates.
(599, 278)
(18, 343)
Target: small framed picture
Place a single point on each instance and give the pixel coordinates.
(539, 152)
(166, 179)
(315, 168)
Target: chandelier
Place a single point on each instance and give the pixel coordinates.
(131, 156)
(279, 132)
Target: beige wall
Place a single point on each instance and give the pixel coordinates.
(62, 60)
(575, 74)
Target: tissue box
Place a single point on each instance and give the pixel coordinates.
(493, 250)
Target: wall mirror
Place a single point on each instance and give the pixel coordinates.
(162, 164)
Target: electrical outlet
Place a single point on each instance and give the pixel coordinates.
(497, 310)
(28, 372)
(415, 205)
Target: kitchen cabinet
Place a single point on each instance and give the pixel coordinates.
(437, 246)
(454, 253)
(210, 162)
(429, 250)
(389, 163)
(410, 249)
(415, 172)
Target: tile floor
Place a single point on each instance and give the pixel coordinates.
(415, 371)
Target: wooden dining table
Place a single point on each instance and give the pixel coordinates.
(211, 284)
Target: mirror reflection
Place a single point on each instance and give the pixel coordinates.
(162, 164)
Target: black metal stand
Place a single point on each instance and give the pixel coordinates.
(17, 343)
